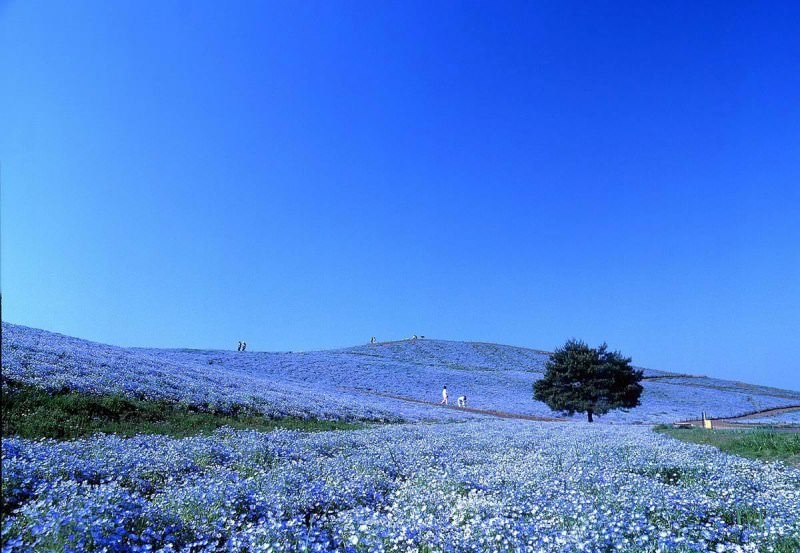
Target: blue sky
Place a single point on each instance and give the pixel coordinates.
(307, 175)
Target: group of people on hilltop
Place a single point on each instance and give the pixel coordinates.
(413, 338)
(462, 400)
(242, 346)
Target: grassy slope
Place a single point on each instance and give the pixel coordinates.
(31, 412)
(754, 444)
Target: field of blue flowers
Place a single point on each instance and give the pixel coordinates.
(476, 486)
(335, 384)
(446, 480)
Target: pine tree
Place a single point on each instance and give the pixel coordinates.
(580, 379)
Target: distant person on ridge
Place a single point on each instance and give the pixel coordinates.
(372, 340)
(444, 396)
(244, 346)
(462, 401)
(239, 348)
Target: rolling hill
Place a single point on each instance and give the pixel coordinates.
(369, 382)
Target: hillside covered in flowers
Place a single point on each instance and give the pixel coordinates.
(433, 480)
(352, 383)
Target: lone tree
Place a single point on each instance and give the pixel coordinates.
(592, 380)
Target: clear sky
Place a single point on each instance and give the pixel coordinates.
(309, 174)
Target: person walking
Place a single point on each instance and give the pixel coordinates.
(239, 347)
(444, 396)
(244, 346)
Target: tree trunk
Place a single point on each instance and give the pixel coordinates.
(589, 412)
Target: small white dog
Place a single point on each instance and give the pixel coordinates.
(462, 401)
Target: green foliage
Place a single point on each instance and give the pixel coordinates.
(580, 379)
(744, 516)
(31, 412)
(670, 475)
(754, 444)
(787, 544)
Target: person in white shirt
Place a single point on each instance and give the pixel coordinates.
(444, 395)
(462, 401)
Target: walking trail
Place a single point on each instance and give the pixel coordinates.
(492, 413)
(732, 422)
(720, 422)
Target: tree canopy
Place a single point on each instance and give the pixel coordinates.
(580, 379)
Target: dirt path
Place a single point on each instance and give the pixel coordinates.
(731, 422)
(670, 376)
(720, 422)
(766, 413)
(491, 413)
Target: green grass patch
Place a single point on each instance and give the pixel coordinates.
(754, 444)
(744, 516)
(31, 412)
(787, 544)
